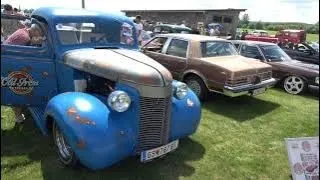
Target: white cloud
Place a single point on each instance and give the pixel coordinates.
(264, 10)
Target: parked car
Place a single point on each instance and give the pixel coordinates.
(261, 35)
(169, 28)
(303, 52)
(89, 85)
(314, 45)
(291, 36)
(209, 64)
(294, 76)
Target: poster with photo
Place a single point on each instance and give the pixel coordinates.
(303, 156)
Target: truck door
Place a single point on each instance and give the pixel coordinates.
(27, 72)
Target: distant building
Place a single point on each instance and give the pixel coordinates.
(229, 18)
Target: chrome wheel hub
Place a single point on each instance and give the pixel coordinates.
(63, 147)
(293, 85)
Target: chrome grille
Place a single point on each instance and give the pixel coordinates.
(154, 122)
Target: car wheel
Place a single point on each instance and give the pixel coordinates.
(197, 86)
(66, 154)
(294, 84)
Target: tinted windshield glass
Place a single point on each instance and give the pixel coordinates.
(274, 53)
(182, 31)
(217, 48)
(96, 34)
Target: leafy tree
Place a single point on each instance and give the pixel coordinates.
(245, 19)
(251, 25)
(259, 25)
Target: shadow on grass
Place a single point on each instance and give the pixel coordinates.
(26, 141)
(241, 108)
(308, 93)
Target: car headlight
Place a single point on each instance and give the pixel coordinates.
(316, 80)
(119, 101)
(181, 90)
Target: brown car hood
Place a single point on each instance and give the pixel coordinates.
(239, 65)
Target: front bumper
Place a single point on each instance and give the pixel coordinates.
(247, 89)
(314, 88)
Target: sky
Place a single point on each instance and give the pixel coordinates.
(306, 11)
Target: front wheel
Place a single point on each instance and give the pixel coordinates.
(197, 86)
(294, 84)
(66, 154)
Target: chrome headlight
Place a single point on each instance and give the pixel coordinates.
(181, 90)
(317, 80)
(119, 101)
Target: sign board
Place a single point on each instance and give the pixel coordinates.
(303, 156)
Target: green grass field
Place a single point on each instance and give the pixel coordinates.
(310, 37)
(239, 138)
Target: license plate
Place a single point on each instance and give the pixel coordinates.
(258, 91)
(159, 151)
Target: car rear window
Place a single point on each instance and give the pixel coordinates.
(217, 48)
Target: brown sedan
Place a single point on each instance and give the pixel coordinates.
(294, 76)
(209, 64)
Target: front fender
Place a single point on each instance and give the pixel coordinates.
(94, 132)
(185, 116)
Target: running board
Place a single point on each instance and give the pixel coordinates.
(38, 116)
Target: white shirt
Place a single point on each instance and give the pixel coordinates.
(139, 28)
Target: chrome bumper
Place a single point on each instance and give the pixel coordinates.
(247, 89)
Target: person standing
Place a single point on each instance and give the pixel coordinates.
(7, 9)
(8, 26)
(139, 28)
(244, 33)
(16, 12)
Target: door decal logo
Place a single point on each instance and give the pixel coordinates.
(19, 82)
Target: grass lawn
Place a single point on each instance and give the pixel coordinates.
(240, 138)
(310, 37)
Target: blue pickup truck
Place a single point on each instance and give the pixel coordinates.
(89, 87)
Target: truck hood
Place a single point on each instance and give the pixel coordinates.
(119, 65)
(239, 65)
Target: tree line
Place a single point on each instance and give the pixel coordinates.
(276, 26)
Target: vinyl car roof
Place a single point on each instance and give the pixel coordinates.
(252, 42)
(173, 26)
(193, 37)
(58, 14)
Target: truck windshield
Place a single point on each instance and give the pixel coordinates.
(95, 34)
(217, 48)
(274, 53)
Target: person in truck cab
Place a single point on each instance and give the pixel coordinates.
(26, 36)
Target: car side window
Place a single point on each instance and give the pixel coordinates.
(15, 30)
(251, 52)
(178, 48)
(9, 26)
(155, 45)
(165, 30)
(157, 29)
